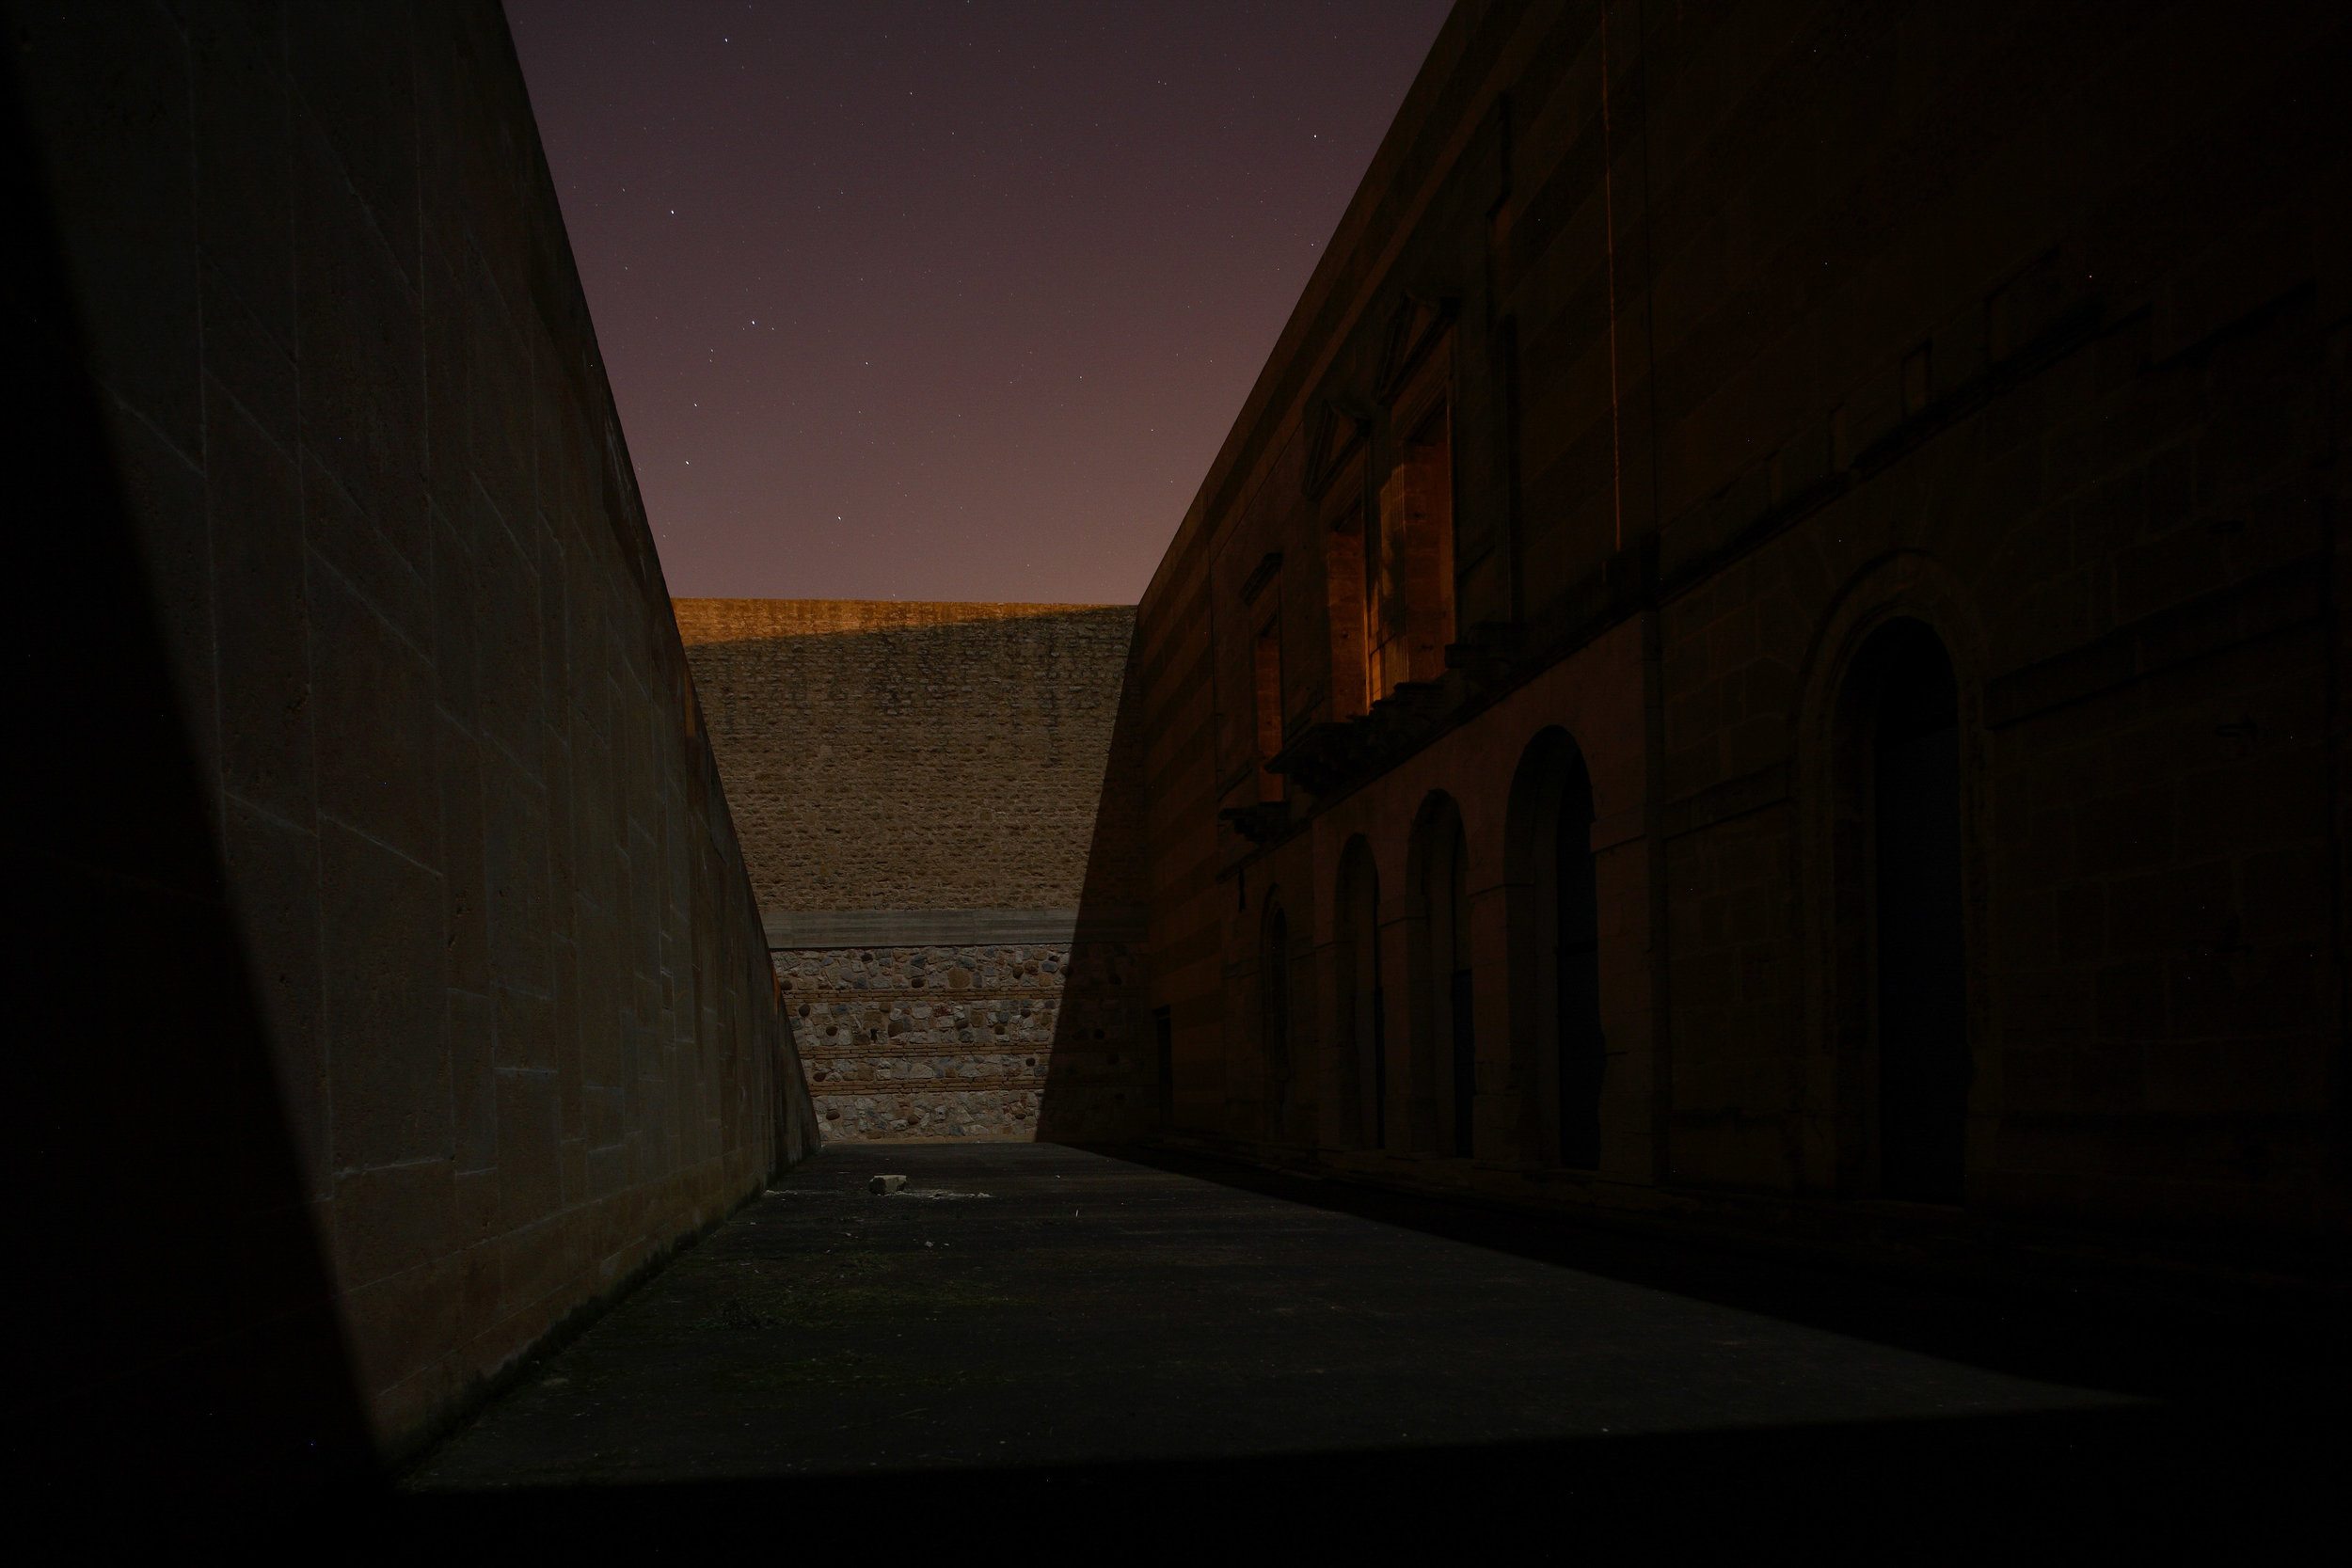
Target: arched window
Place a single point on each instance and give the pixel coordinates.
(1900, 851)
(1362, 1002)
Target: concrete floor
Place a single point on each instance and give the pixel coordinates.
(1029, 1321)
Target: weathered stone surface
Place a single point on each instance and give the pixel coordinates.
(909, 756)
(954, 1042)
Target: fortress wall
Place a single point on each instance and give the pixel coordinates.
(484, 875)
(885, 755)
(937, 807)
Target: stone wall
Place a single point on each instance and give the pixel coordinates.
(442, 730)
(924, 1041)
(1008, 1042)
(937, 804)
(911, 756)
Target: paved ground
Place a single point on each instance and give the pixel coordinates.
(1027, 1317)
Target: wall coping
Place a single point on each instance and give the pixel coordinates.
(789, 929)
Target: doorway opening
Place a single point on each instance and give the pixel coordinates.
(1363, 1033)
(1907, 777)
(1453, 1014)
(1555, 951)
(1274, 983)
(1576, 993)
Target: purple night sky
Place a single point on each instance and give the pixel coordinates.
(936, 300)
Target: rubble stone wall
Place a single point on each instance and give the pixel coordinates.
(924, 1042)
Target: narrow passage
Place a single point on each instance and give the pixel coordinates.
(1024, 1304)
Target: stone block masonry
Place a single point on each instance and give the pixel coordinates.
(935, 803)
(1914, 571)
(467, 828)
(888, 756)
(925, 1041)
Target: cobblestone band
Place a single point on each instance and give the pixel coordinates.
(958, 1041)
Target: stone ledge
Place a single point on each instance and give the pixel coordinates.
(945, 994)
(820, 929)
(925, 1051)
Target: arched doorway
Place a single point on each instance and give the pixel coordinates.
(1555, 948)
(1905, 768)
(1575, 912)
(1450, 1014)
(1363, 1001)
(1274, 992)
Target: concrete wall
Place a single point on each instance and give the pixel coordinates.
(443, 731)
(938, 806)
(1761, 327)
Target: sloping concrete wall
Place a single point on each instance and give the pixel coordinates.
(508, 956)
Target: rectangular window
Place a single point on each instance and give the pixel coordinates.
(1344, 574)
(1431, 553)
(1385, 528)
(1268, 656)
(1409, 584)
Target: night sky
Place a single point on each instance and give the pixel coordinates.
(941, 300)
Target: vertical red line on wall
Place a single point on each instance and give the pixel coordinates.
(1609, 230)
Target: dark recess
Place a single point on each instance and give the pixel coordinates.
(1923, 1025)
(173, 1321)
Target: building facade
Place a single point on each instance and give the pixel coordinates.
(1768, 640)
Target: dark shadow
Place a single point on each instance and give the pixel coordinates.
(1358, 1058)
(1922, 989)
(1445, 1014)
(2230, 1454)
(2110, 1485)
(1275, 1015)
(2238, 1457)
(1110, 1073)
(1899, 967)
(174, 1335)
(1554, 973)
(2209, 1352)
